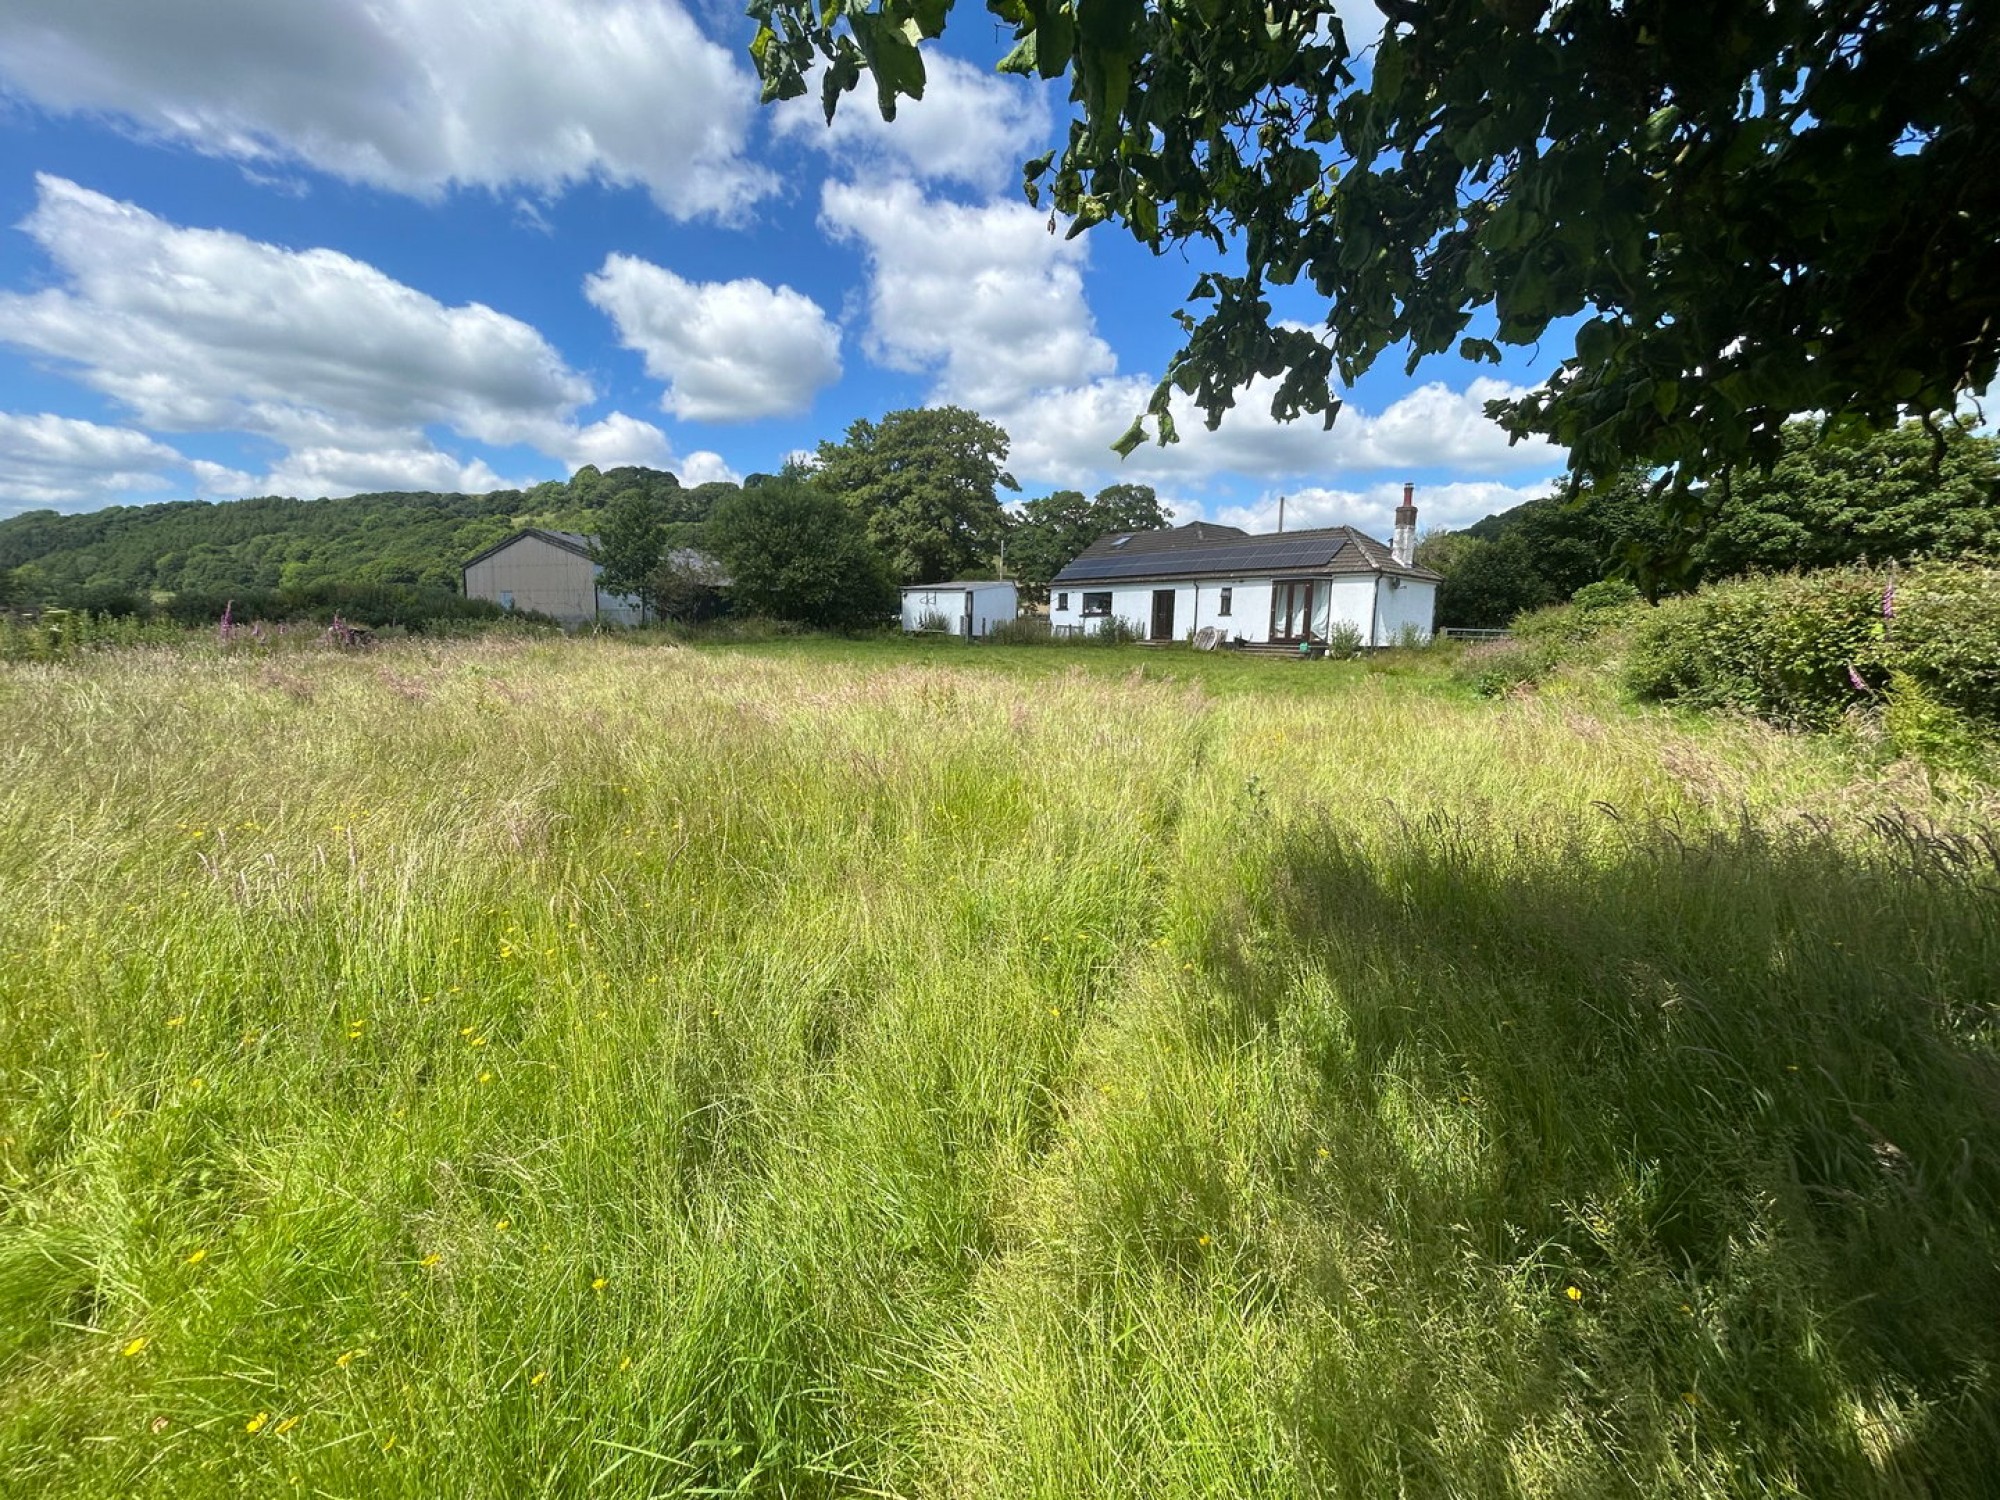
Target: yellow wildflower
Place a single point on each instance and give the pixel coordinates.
(600, 1283)
(503, 1225)
(286, 1426)
(540, 1376)
(348, 1358)
(486, 1077)
(196, 1257)
(430, 1260)
(256, 1423)
(174, 1021)
(625, 1363)
(1202, 1241)
(134, 1347)
(1574, 1293)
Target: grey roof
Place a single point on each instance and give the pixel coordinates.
(962, 583)
(1200, 550)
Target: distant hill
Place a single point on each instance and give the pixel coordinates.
(275, 542)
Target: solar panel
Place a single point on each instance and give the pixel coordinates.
(1267, 556)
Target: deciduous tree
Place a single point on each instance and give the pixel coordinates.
(1754, 210)
(925, 483)
(795, 551)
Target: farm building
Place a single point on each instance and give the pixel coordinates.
(970, 608)
(552, 573)
(1292, 587)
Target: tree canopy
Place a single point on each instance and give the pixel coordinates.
(795, 551)
(1757, 210)
(1047, 533)
(925, 483)
(1822, 504)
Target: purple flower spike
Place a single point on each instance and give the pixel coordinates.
(227, 628)
(1855, 678)
(1889, 600)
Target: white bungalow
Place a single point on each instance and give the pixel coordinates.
(1289, 587)
(970, 607)
(553, 573)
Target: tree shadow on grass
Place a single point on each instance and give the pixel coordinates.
(1673, 1169)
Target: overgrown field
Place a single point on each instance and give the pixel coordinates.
(520, 1067)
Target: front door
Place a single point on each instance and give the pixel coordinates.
(1163, 614)
(1291, 610)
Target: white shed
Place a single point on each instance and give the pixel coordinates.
(970, 607)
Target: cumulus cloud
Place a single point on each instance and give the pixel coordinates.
(1449, 506)
(972, 126)
(203, 329)
(618, 440)
(704, 467)
(983, 298)
(313, 472)
(729, 351)
(47, 460)
(415, 96)
(1064, 435)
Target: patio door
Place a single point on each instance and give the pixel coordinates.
(1291, 610)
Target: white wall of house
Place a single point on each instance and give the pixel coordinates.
(1377, 611)
(988, 604)
(1406, 603)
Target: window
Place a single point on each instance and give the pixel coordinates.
(1062, 603)
(1120, 541)
(1096, 604)
(1224, 607)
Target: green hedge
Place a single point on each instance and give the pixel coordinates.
(1804, 648)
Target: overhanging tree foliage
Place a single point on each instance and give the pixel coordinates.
(1763, 210)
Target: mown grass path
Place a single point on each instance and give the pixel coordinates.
(585, 1067)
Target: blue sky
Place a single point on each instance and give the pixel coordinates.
(449, 244)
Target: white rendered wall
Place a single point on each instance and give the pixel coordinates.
(994, 605)
(1410, 602)
(947, 602)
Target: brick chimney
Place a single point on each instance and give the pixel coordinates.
(1404, 546)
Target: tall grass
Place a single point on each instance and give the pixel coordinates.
(584, 1067)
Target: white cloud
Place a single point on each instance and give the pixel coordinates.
(1450, 506)
(202, 329)
(704, 467)
(416, 96)
(46, 460)
(729, 351)
(1065, 435)
(972, 126)
(312, 472)
(618, 440)
(985, 298)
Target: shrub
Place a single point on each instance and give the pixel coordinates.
(1606, 593)
(1343, 640)
(1803, 648)
(933, 622)
(1490, 668)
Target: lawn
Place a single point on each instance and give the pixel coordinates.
(510, 1066)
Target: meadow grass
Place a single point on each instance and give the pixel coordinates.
(591, 1067)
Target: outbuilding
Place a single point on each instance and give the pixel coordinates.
(553, 573)
(969, 607)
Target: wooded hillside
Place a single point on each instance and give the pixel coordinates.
(274, 542)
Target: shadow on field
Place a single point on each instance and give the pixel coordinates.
(1675, 1166)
